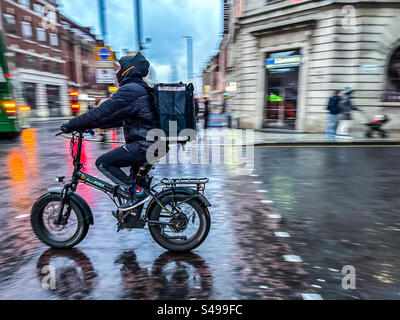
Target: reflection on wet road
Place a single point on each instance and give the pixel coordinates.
(341, 207)
(246, 256)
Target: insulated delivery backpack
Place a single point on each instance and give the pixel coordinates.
(176, 110)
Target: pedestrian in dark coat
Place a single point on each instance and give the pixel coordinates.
(132, 107)
(333, 108)
(206, 113)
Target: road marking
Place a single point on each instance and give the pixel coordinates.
(257, 182)
(274, 216)
(316, 286)
(267, 201)
(321, 280)
(282, 235)
(333, 270)
(335, 146)
(22, 216)
(263, 287)
(253, 175)
(292, 258)
(311, 296)
(262, 191)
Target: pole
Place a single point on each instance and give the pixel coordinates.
(102, 19)
(138, 18)
(189, 57)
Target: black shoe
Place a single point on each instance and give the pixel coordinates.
(136, 200)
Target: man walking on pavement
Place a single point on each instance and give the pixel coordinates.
(333, 108)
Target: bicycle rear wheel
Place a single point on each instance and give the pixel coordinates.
(192, 225)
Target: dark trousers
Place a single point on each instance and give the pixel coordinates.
(110, 165)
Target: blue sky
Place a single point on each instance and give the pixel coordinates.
(165, 21)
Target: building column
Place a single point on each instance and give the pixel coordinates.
(64, 101)
(41, 100)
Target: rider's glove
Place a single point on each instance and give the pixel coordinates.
(64, 129)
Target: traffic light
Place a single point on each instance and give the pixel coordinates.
(74, 101)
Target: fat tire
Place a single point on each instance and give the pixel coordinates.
(205, 224)
(38, 227)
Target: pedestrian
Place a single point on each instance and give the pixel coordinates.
(206, 112)
(345, 116)
(196, 108)
(333, 108)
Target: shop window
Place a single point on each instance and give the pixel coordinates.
(10, 25)
(27, 30)
(392, 90)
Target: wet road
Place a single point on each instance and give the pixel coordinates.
(241, 258)
(341, 207)
(334, 218)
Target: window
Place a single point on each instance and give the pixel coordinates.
(27, 30)
(10, 26)
(30, 62)
(57, 68)
(392, 92)
(38, 8)
(41, 35)
(54, 39)
(25, 3)
(45, 65)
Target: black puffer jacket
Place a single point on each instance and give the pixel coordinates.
(131, 107)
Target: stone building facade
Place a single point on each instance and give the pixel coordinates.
(285, 59)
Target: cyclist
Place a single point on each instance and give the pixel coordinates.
(132, 107)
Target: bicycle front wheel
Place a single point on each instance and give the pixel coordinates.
(43, 217)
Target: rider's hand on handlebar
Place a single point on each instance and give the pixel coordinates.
(64, 129)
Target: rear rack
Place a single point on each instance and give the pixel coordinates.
(176, 181)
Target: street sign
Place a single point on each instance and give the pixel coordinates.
(105, 64)
(105, 73)
(291, 61)
(103, 54)
(106, 76)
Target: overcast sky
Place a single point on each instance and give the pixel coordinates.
(165, 21)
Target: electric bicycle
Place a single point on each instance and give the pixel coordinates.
(176, 212)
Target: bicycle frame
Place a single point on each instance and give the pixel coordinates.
(114, 191)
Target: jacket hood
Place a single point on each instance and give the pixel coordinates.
(133, 68)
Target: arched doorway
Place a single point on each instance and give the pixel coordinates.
(392, 89)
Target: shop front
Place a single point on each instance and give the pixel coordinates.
(282, 86)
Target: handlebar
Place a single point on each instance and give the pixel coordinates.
(90, 131)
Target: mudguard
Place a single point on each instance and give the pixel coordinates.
(180, 193)
(80, 202)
